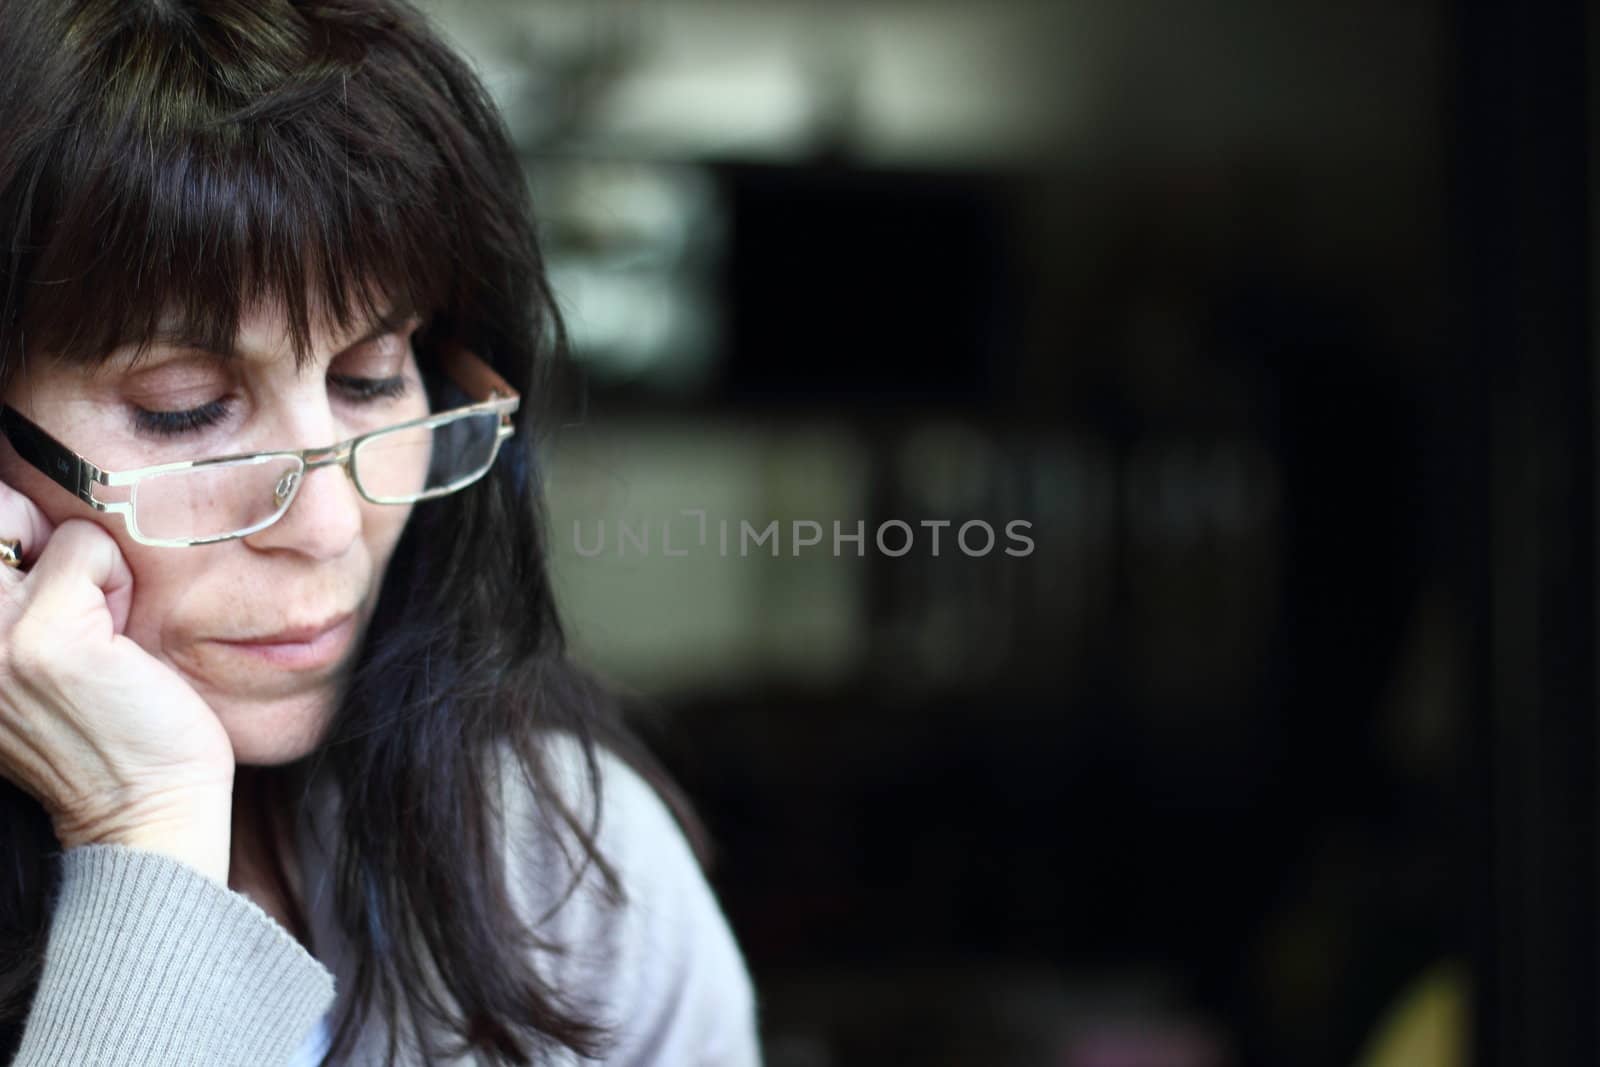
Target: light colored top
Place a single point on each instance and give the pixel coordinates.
(315, 1046)
(150, 962)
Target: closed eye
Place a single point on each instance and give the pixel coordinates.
(179, 423)
(369, 390)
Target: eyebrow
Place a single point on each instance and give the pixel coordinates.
(387, 322)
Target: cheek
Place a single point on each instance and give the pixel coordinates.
(56, 503)
(166, 583)
(381, 527)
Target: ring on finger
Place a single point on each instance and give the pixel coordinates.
(11, 552)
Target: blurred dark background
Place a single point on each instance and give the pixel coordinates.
(1274, 323)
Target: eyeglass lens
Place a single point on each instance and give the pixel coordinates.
(214, 501)
(404, 464)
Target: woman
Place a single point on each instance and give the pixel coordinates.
(294, 756)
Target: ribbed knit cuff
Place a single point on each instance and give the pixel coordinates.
(151, 962)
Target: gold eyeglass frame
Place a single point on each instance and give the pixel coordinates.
(79, 476)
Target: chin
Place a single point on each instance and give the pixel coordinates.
(277, 734)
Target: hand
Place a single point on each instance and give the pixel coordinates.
(115, 745)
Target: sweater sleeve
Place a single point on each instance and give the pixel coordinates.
(150, 962)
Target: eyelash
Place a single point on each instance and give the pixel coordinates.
(369, 389)
(193, 420)
(179, 423)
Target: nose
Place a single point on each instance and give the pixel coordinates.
(323, 519)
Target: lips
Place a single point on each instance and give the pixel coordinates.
(294, 635)
(315, 647)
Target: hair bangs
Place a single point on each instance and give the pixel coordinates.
(173, 204)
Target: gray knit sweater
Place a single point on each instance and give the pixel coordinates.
(150, 962)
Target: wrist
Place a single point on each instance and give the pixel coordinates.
(192, 827)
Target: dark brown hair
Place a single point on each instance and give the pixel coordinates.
(193, 157)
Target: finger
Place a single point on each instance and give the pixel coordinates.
(81, 570)
(21, 519)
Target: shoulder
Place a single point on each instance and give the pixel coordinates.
(660, 965)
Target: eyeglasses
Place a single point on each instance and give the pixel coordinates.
(200, 502)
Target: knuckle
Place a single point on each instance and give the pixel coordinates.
(75, 533)
(74, 542)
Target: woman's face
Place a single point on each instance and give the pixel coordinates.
(206, 610)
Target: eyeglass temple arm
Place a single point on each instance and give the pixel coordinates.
(64, 466)
(475, 377)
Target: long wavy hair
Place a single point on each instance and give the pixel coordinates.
(193, 157)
